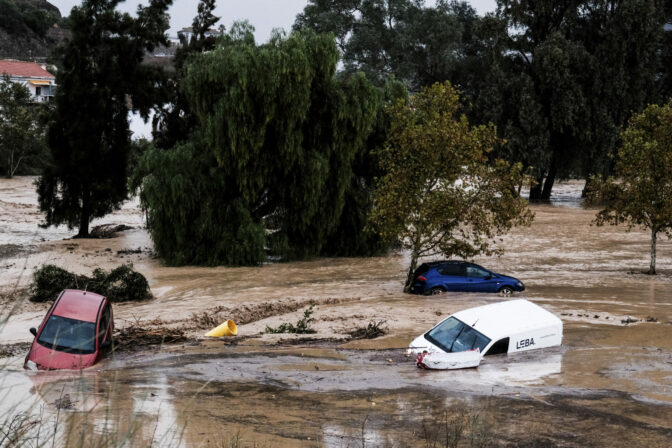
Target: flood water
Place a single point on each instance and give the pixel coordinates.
(609, 384)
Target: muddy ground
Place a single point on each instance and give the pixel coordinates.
(610, 384)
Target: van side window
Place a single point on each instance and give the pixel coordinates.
(499, 347)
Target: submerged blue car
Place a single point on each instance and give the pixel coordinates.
(448, 275)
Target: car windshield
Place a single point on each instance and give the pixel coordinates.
(452, 335)
(68, 335)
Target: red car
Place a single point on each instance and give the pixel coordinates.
(73, 335)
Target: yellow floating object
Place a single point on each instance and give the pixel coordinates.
(228, 328)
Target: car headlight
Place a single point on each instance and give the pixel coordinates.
(31, 365)
(519, 284)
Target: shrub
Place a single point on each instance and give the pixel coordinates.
(301, 327)
(50, 280)
(122, 284)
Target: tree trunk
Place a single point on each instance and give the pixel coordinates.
(586, 187)
(550, 180)
(535, 191)
(411, 270)
(84, 217)
(652, 266)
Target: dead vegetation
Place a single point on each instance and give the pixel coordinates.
(457, 429)
(136, 336)
(14, 250)
(373, 330)
(107, 230)
(245, 314)
(9, 350)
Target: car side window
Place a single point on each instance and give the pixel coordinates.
(473, 271)
(104, 322)
(450, 269)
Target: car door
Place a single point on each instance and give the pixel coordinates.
(104, 327)
(479, 279)
(453, 277)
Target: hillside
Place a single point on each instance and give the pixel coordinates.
(29, 29)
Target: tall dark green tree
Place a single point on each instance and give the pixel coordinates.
(353, 237)
(101, 78)
(269, 164)
(406, 39)
(568, 75)
(666, 55)
(174, 121)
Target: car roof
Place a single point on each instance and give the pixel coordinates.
(80, 305)
(510, 318)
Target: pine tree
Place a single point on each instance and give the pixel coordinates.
(101, 78)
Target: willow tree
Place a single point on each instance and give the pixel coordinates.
(270, 161)
(640, 193)
(102, 75)
(440, 195)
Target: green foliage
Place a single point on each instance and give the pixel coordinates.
(50, 280)
(21, 136)
(403, 38)
(640, 191)
(352, 237)
(439, 193)
(20, 17)
(559, 79)
(174, 121)
(302, 325)
(88, 136)
(122, 284)
(270, 163)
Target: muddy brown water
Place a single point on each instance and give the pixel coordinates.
(610, 384)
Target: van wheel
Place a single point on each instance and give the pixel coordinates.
(436, 291)
(506, 290)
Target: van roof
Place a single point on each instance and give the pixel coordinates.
(502, 319)
(80, 305)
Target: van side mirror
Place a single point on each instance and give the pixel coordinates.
(488, 277)
(33, 330)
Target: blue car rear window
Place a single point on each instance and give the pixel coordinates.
(68, 335)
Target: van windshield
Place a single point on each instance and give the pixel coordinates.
(453, 335)
(68, 335)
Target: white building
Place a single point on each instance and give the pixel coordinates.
(40, 83)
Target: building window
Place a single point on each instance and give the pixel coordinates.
(38, 91)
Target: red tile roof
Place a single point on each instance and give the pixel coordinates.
(27, 69)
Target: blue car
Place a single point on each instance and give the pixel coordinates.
(441, 276)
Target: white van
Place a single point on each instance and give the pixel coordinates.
(504, 327)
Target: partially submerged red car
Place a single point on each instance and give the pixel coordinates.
(73, 335)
